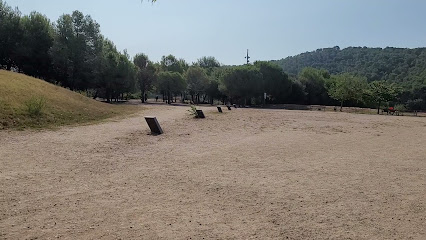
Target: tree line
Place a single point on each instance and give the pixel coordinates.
(73, 53)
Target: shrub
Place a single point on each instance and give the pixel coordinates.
(400, 108)
(193, 111)
(35, 106)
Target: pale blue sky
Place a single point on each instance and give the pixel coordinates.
(271, 29)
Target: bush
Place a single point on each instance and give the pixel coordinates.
(35, 106)
(400, 108)
(193, 111)
(416, 104)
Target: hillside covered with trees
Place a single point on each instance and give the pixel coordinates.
(404, 66)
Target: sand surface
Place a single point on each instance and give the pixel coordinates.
(243, 174)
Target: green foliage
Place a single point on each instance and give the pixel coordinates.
(390, 64)
(146, 73)
(242, 83)
(10, 35)
(276, 83)
(297, 94)
(35, 105)
(404, 66)
(193, 111)
(400, 108)
(346, 87)
(381, 92)
(34, 56)
(208, 63)
(197, 80)
(172, 64)
(416, 104)
(77, 52)
(170, 83)
(314, 85)
(118, 73)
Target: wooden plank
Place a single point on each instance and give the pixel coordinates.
(200, 114)
(154, 125)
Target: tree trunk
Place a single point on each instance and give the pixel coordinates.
(378, 108)
(143, 95)
(96, 94)
(341, 106)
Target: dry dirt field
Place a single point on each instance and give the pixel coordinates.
(243, 174)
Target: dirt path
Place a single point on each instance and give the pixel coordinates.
(243, 174)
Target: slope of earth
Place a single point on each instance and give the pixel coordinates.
(61, 106)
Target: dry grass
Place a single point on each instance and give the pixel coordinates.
(63, 107)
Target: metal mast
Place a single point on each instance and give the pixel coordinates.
(247, 57)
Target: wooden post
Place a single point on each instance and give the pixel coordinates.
(200, 114)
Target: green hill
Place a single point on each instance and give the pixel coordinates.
(402, 65)
(61, 106)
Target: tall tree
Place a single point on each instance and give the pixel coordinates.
(170, 83)
(34, 56)
(197, 81)
(242, 83)
(146, 73)
(213, 86)
(346, 87)
(77, 50)
(381, 92)
(275, 82)
(314, 81)
(10, 35)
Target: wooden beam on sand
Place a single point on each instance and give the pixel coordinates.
(154, 125)
(200, 114)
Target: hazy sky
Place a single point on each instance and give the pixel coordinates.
(271, 29)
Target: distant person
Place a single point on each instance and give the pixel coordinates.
(156, 98)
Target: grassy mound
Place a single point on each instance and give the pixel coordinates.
(27, 102)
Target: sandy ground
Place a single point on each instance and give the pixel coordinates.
(243, 174)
